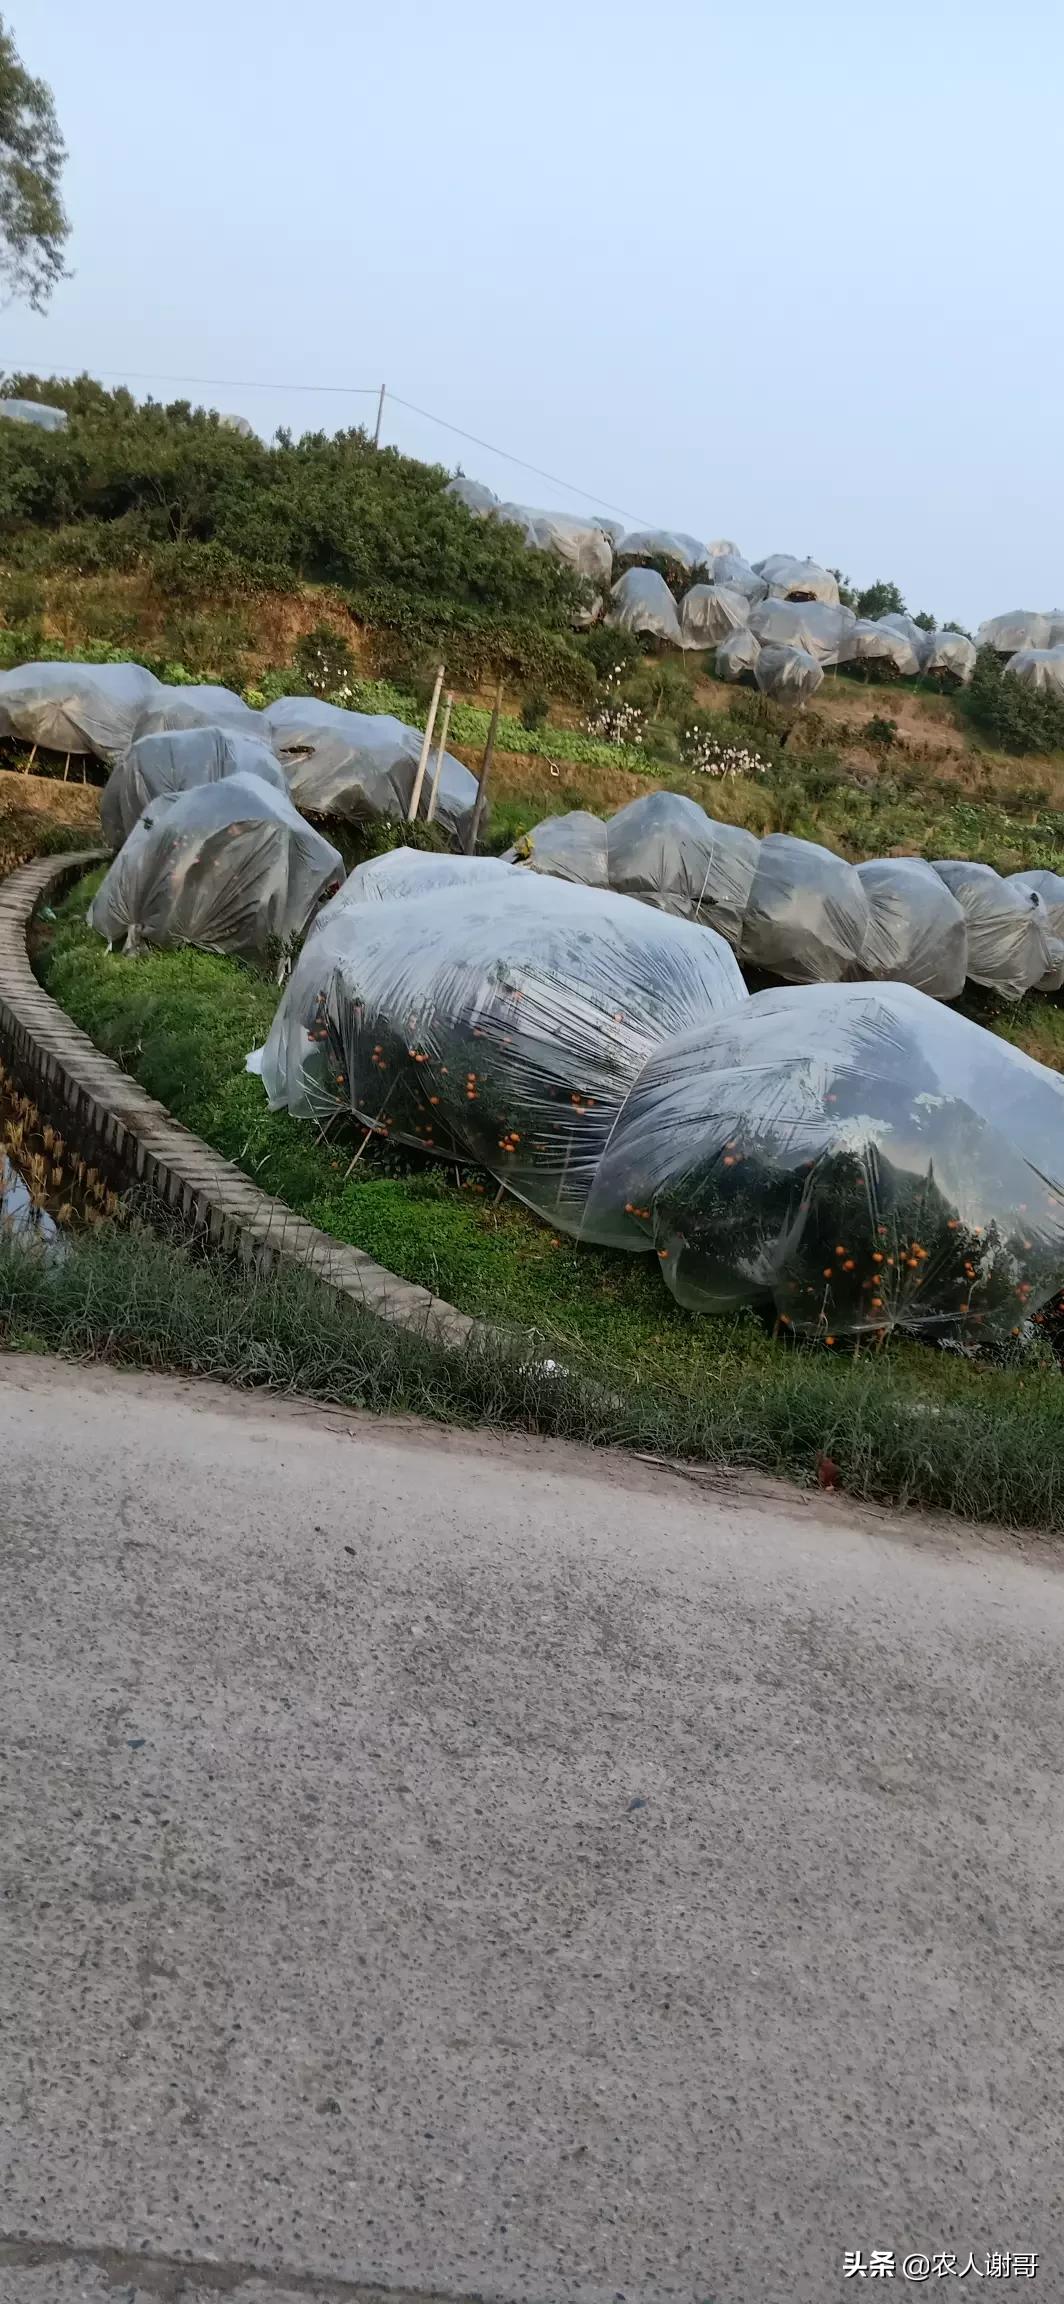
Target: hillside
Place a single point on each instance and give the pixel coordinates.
(325, 566)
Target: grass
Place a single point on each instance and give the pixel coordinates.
(982, 1448)
(910, 1426)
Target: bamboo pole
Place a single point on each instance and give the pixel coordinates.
(426, 741)
(438, 767)
(485, 774)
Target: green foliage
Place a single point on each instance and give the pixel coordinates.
(612, 654)
(407, 630)
(535, 709)
(877, 730)
(637, 1369)
(678, 577)
(1015, 717)
(328, 510)
(326, 664)
(33, 222)
(927, 622)
(880, 599)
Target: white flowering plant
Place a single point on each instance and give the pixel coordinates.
(614, 720)
(708, 755)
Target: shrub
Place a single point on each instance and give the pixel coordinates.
(535, 708)
(329, 510)
(881, 599)
(325, 662)
(1015, 717)
(877, 730)
(612, 654)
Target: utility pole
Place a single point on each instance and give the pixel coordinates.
(415, 797)
(380, 413)
(485, 773)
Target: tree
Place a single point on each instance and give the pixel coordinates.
(881, 599)
(33, 221)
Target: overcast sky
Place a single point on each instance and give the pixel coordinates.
(784, 273)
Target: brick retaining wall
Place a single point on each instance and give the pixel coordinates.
(110, 1119)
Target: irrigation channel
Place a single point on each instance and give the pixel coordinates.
(44, 1189)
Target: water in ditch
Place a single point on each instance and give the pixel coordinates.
(45, 1191)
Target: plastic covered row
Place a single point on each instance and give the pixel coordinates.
(791, 579)
(884, 648)
(37, 412)
(820, 627)
(81, 708)
(197, 704)
(579, 542)
(737, 656)
(404, 872)
(854, 1159)
(360, 765)
(473, 494)
(683, 552)
(788, 675)
(1020, 628)
(792, 909)
(709, 612)
(1039, 668)
(176, 760)
(502, 1022)
(641, 602)
(229, 866)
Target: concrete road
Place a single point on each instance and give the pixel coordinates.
(476, 1868)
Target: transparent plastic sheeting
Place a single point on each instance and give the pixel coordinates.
(579, 542)
(821, 628)
(174, 761)
(853, 1157)
(410, 872)
(1020, 628)
(737, 657)
(795, 910)
(883, 645)
(197, 705)
(664, 544)
(1011, 945)
(641, 601)
(708, 612)
(791, 579)
(360, 765)
(35, 412)
(1039, 668)
(504, 1022)
(473, 494)
(788, 675)
(230, 867)
(76, 707)
(949, 654)
(731, 569)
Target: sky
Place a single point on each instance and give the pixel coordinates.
(785, 274)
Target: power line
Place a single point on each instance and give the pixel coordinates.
(365, 392)
(590, 494)
(237, 383)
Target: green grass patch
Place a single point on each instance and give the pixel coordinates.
(908, 1424)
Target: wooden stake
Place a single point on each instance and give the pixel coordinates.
(438, 768)
(473, 833)
(415, 797)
